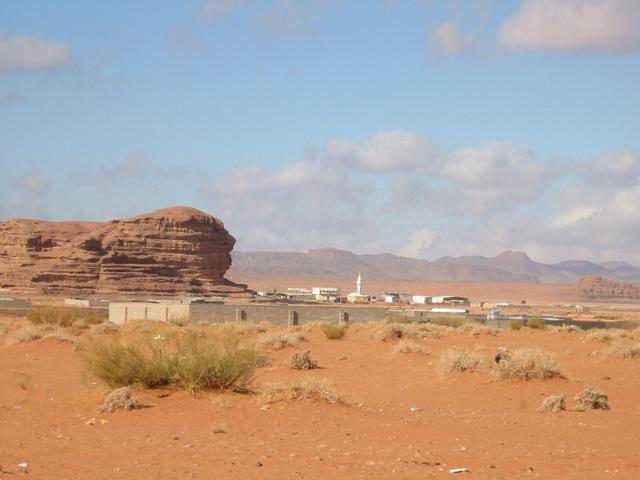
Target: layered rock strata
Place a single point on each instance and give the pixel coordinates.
(173, 251)
(598, 287)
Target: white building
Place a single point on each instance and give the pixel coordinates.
(358, 296)
(326, 294)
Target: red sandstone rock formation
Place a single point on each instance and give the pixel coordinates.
(598, 287)
(172, 251)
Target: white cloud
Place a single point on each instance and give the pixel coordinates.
(574, 25)
(215, 9)
(388, 151)
(448, 38)
(572, 216)
(619, 167)
(310, 203)
(418, 244)
(22, 54)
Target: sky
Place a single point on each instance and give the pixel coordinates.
(421, 128)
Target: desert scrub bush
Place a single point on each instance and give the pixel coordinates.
(536, 323)
(401, 320)
(621, 348)
(120, 399)
(278, 341)
(64, 335)
(27, 333)
(302, 361)
(61, 316)
(389, 332)
(553, 403)
(592, 398)
(225, 365)
(516, 324)
(453, 322)
(105, 328)
(457, 360)
(119, 363)
(407, 346)
(305, 390)
(606, 335)
(333, 331)
(179, 321)
(476, 329)
(528, 363)
(263, 361)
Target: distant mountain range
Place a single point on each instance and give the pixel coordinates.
(507, 267)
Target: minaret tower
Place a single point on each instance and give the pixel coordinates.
(359, 285)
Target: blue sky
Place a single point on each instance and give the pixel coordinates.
(421, 128)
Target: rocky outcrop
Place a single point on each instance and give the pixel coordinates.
(173, 251)
(598, 287)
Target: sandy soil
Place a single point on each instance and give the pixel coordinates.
(49, 419)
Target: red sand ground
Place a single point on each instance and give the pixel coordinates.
(491, 427)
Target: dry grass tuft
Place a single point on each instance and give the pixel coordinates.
(64, 335)
(621, 348)
(302, 361)
(120, 399)
(251, 328)
(105, 328)
(458, 360)
(278, 341)
(476, 329)
(592, 398)
(395, 331)
(528, 363)
(28, 333)
(536, 323)
(407, 346)
(606, 335)
(553, 403)
(516, 324)
(333, 331)
(305, 390)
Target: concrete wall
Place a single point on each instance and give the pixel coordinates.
(123, 312)
(280, 315)
(8, 302)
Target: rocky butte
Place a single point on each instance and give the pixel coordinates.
(172, 251)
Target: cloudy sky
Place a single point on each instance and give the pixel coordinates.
(417, 127)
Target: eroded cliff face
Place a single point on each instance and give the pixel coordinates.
(598, 287)
(173, 251)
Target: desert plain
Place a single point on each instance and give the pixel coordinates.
(386, 414)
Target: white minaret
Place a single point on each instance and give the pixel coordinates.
(359, 285)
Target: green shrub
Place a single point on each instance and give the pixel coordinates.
(334, 332)
(62, 316)
(227, 366)
(190, 361)
(120, 364)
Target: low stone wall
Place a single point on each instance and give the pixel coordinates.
(279, 315)
(123, 312)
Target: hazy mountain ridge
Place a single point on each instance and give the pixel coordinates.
(509, 266)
